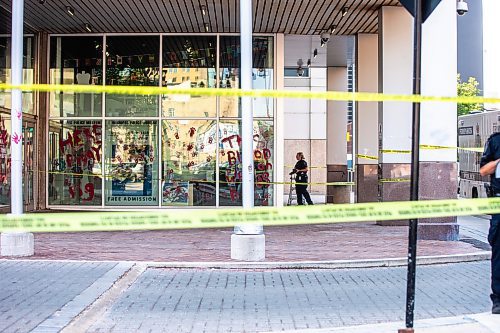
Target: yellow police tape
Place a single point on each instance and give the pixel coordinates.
(221, 218)
(328, 95)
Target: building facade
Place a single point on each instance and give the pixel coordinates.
(103, 151)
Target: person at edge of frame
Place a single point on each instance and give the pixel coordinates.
(488, 166)
(301, 179)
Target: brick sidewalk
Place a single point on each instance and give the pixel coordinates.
(291, 243)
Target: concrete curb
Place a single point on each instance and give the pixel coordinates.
(333, 264)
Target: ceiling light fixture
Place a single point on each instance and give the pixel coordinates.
(203, 10)
(206, 27)
(344, 11)
(334, 27)
(70, 10)
(315, 53)
(88, 27)
(41, 2)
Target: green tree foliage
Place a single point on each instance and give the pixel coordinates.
(468, 89)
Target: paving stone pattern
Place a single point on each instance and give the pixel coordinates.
(166, 300)
(31, 291)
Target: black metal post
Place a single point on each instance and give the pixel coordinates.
(412, 234)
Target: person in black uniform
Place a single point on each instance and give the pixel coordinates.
(489, 162)
(301, 179)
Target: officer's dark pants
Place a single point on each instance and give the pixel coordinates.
(302, 191)
(494, 240)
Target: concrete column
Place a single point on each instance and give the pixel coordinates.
(366, 119)
(438, 168)
(438, 174)
(337, 138)
(280, 174)
(395, 59)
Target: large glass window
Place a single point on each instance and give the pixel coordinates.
(132, 151)
(230, 162)
(131, 163)
(76, 60)
(28, 72)
(262, 74)
(75, 161)
(188, 162)
(189, 62)
(132, 61)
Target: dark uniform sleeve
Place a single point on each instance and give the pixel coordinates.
(487, 154)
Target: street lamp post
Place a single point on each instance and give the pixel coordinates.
(16, 243)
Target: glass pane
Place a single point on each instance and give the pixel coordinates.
(132, 61)
(189, 62)
(230, 163)
(75, 163)
(5, 160)
(75, 60)
(262, 74)
(131, 163)
(28, 72)
(189, 162)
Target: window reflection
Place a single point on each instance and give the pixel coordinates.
(28, 72)
(131, 163)
(189, 62)
(75, 60)
(262, 74)
(75, 162)
(189, 148)
(132, 61)
(230, 176)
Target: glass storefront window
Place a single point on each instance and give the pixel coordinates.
(132, 61)
(188, 162)
(75, 161)
(262, 74)
(230, 162)
(28, 72)
(189, 62)
(131, 163)
(75, 60)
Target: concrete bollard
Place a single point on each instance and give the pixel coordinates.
(21, 244)
(248, 247)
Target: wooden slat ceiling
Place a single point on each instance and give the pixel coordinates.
(304, 17)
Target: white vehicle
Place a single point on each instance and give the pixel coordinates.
(473, 131)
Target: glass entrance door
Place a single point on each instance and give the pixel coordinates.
(28, 166)
(28, 163)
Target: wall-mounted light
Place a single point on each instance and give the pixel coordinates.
(70, 10)
(308, 62)
(203, 10)
(315, 53)
(344, 11)
(334, 27)
(207, 28)
(88, 27)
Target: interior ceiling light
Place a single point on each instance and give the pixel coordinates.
(70, 10)
(344, 11)
(206, 27)
(334, 27)
(88, 27)
(315, 53)
(41, 2)
(203, 10)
